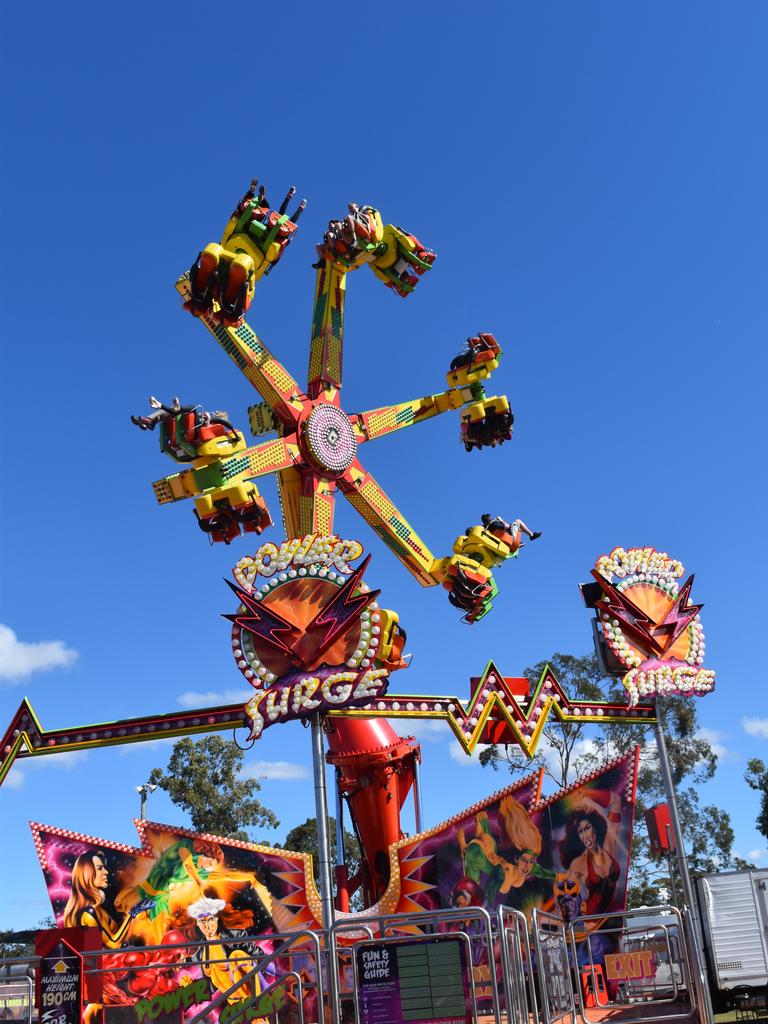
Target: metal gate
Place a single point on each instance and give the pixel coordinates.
(553, 967)
(472, 925)
(636, 958)
(519, 986)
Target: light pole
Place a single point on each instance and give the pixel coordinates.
(696, 941)
(144, 792)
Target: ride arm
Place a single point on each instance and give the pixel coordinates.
(396, 257)
(389, 418)
(254, 360)
(220, 473)
(306, 503)
(326, 346)
(369, 500)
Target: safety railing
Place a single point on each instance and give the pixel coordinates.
(245, 993)
(553, 967)
(519, 986)
(17, 987)
(548, 971)
(645, 962)
(458, 921)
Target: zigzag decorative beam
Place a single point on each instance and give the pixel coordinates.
(25, 736)
(500, 710)
(503, 710)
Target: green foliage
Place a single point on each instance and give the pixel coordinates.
(203, 777)
(581, 679)
(303, 839)
(756, 777)
(22, 943)
(572, 749)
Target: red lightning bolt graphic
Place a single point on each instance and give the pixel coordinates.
(338, 613)
(636, 624)
(264, 623)
(679, 617)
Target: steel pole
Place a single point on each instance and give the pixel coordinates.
(418, 806)
(340, 852)
(682, 864)
(321, 814)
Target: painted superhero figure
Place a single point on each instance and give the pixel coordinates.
(228, 957)
(188, 869)
(482, 861)
(85, 907)
(588, 851)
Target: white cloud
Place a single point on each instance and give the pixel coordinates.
(715, 740)
(755, 727)
(756, 855)
(279, 770)
(19, 659)
(210, 698)
(66, 761)
(125, 749)
(429, 730)
(457, 753)
(583, 747)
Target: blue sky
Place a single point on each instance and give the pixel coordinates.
(592, 177)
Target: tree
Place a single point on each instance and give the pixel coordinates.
(22, 943)
(569, 750)
(303, 839)
(562, 757)
(204, 778)
(756, 777)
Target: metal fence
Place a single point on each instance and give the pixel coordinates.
(545, 971)
(553, 967)
(649, 965)
(17, 991)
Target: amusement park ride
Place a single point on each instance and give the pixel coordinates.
(308, 633)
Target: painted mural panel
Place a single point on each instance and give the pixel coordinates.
(177, 887)
(567, 854)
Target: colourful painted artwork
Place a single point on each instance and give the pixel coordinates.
(177, 887)
(567, 854)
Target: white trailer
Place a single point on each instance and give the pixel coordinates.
(734, 916)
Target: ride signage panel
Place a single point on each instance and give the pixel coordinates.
(413, 981)
(61, 986)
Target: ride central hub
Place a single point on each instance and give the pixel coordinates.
(328, 439)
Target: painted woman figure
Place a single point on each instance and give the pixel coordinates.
(482, 861)
(588, 851)
(85, 907)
